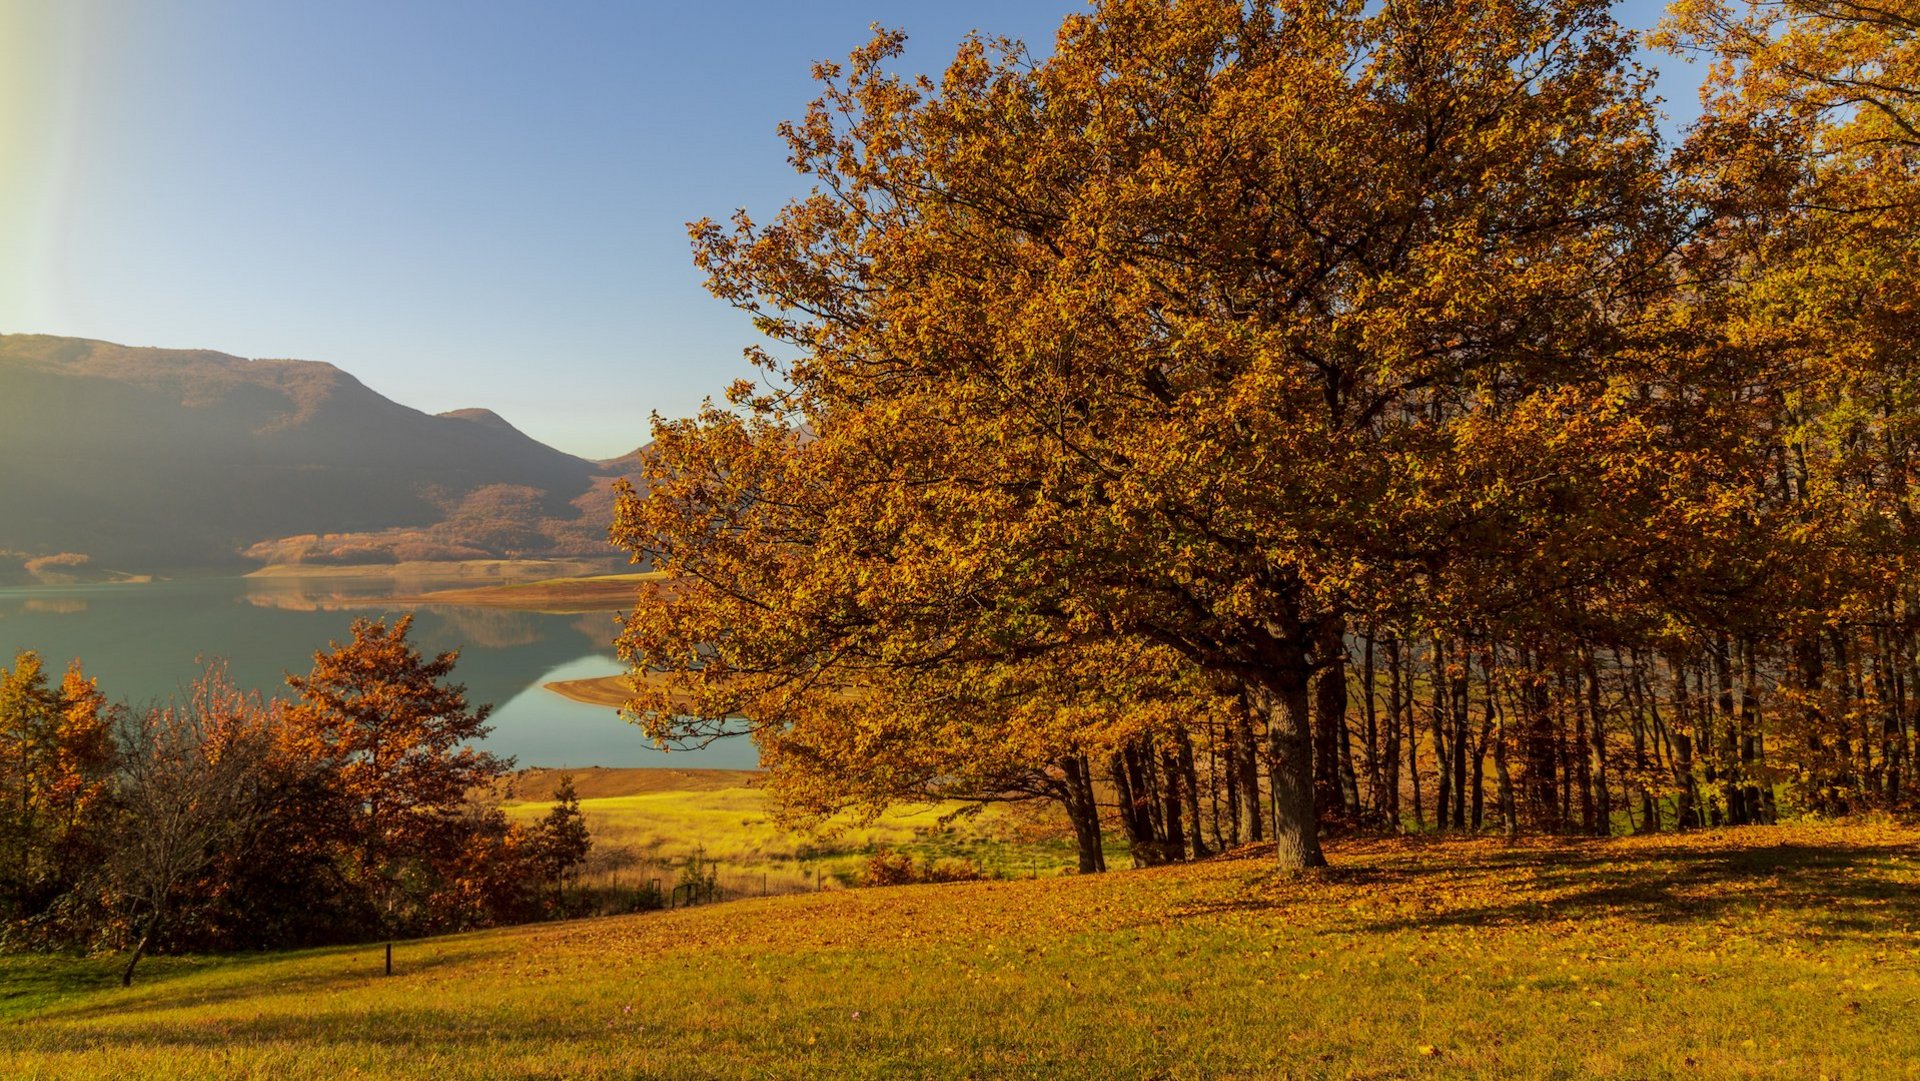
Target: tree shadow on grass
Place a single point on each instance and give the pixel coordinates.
(1855, 890)
(184, 983)
(413, 1030)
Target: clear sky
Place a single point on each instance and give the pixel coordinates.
(462, 203)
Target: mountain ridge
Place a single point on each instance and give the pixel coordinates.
(144, 459)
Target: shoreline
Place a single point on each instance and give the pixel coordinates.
(561, 596)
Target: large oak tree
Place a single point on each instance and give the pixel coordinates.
(1220, 323)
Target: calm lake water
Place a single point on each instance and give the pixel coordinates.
(142, 642)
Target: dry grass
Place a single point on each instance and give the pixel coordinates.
(646, 823)
(1772, 952)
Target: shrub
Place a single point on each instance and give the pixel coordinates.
(889, 868)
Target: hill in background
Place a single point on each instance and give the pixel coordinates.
(127, 459)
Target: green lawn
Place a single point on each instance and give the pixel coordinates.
(1771, 952)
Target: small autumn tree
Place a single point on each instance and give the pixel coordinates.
(561, 840)
(394, 735)
(56, 762)
(193, 790)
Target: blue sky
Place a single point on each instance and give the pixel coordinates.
(464, 204)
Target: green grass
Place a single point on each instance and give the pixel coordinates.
(1770, 952)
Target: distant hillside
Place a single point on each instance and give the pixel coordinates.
(158, 459)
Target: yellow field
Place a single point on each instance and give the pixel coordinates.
(1773, 952)
(654, 823)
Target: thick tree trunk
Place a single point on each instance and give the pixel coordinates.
(1282, 700)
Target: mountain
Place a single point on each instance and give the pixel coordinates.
(159, 459)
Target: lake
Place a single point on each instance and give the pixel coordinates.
(143, 642)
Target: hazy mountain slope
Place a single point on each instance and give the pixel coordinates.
(158, 458)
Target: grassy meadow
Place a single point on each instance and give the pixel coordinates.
(1768, 952)
(647, 822)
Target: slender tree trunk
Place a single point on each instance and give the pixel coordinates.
(1509, 819)
(1728, 753)
(1413, 748)
(140, 948)
(1461, 737)
(1083, 811)
(1249, 767)
(1640, 708)
(1443, 762)
(1136, 822)
(1214, 779)
(1332, 764)
(1376, 795)
(1183, 761)
(1597, 722)
(1687, 809)
(1480, 746)
(1537, 720)
(1391, 768)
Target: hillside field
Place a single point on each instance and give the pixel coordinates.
(646, 822)
(1768, 952)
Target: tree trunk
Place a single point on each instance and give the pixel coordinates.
(1377, 806)
(1329, 718)
(140, 947)
(1413, 749)
(1443, 763)
(1596, 712)
(1249, 767)
(1461, 738)
(1537, 724)
(1391, 768)
(1183, 744)
(1084, 812)
(1282, 701)
(1135, 824)
(1509, 816)
(1174, 841)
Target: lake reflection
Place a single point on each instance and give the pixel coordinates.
(143, 642)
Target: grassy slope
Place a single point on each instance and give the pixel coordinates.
(1770, 952)
(643, 825)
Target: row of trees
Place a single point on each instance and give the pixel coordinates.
(1267, 414)
(225, 820)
